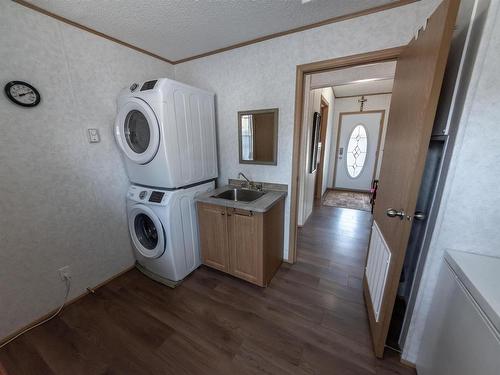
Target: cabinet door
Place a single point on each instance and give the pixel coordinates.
(213, 236)
(245, 245)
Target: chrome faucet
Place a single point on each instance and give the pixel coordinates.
(245, 177)
(249, 183)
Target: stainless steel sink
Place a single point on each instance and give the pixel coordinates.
(240, 195)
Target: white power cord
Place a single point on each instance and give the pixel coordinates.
(68, 288)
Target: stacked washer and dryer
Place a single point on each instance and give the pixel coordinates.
(166, 131)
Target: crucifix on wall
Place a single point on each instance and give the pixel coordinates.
(362, 103)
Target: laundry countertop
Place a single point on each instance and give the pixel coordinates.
(262, 204)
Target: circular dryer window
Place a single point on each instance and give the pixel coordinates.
(137, 131)
(146, 231)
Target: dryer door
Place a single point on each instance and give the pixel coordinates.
(137, 131)
(146, 231)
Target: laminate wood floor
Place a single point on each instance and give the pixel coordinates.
(310, 320)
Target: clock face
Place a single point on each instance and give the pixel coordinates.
(22, 93)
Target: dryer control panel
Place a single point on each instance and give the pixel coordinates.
(148, 85)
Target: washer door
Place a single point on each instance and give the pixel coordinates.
(146, 231)
(137, 131)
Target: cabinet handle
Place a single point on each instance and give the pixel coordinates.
(222, 213)
(244, 213)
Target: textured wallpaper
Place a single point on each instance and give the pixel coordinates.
(62, 200)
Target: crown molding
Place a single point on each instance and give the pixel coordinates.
(345, 17)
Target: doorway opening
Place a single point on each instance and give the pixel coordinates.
(340, 165)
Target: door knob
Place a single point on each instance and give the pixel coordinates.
(391, 212)
(419, 215)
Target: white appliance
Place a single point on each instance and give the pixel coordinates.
(462, 331)
(164, 230)
(166, 131)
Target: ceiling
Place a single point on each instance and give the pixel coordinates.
(179, 29)
(358, 80)
(364, 88)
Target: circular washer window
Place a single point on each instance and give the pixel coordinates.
(137, 131)
(356, 151)
(146, 231)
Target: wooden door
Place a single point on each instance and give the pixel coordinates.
(245, 245)
(318, 188)
(417, 84)
(213, 236)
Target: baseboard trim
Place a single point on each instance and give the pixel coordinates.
(71, 301)
(325, 194)
(408, 363)
(351, 190)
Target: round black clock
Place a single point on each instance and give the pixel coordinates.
(22, 93)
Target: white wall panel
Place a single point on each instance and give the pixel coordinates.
(62, 199)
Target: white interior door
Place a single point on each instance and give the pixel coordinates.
(357, 151)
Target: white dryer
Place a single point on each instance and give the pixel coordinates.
(166, 131)
(164, 230)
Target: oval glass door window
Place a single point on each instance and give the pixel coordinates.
(137, 131)
(356, 151)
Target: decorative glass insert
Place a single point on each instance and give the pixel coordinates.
(356, 151)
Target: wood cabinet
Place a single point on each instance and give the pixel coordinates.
(246, 244)
(213, 236)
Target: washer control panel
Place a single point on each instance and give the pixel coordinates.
(144, 194)
(134, 87)
(156, 196)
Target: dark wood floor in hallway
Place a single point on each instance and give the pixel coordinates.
(311, 320)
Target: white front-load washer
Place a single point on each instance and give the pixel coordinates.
(163, 227)
(166, 131)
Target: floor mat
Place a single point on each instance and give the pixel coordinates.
(348, 199)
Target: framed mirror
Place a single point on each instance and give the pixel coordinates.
(258, 136)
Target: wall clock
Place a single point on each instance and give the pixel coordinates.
(22, 93)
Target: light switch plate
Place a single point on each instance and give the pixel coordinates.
(94, 135)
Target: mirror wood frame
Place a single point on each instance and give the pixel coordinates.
(275, 112)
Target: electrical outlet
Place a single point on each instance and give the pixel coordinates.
(94, 135)
(65, 273)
